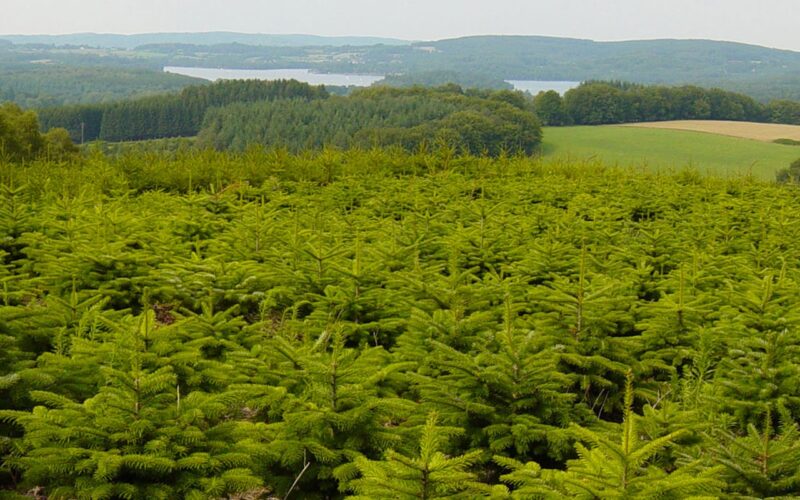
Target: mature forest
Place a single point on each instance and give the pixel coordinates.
(170, 115)
(473, 121)
(383, 324)
(236, 114)
(44, 86)
(595, 103)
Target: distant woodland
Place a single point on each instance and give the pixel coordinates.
(473, 122)
(48, 86)
(237, 114)
(595, 103)
(172, 115)
(64, 70)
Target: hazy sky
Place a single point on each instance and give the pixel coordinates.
(772, 23)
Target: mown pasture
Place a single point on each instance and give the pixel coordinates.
(661, 149)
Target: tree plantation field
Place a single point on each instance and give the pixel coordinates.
(767, 132)
(660, 149)
(381, 324)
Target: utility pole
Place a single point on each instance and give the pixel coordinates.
(83, 125)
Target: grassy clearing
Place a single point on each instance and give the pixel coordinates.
(767, 132)
(663, 149)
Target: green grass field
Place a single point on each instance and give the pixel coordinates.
(669, 149)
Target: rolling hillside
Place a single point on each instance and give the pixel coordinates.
(762, 72)
(656, 149)
(665, 61)
(107, 40)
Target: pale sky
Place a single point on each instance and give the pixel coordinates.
(773, 23)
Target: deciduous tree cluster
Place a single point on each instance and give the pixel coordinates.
(595, 103)
(20, 139)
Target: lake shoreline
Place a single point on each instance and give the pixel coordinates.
(336, 79)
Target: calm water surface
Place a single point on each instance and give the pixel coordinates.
(308, 76)
(302, 75)
(536, 86)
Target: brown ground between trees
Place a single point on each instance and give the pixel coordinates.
(766, 132)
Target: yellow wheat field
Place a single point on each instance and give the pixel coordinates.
(767, 132)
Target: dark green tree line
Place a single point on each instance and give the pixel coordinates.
(170, 115)
(473, 122)
(595, 103)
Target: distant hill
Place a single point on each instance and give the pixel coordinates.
(760, 72)
(105, 40)
(645, 61)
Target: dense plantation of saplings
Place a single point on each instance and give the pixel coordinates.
(388, 325)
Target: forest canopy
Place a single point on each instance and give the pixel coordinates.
(471, 121)
(167, 115)
(437, 78)
(598, 102)
(45, 86)
(474, 120)
(20, 138)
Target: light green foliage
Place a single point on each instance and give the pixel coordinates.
(509, 396)
(137, 437)
(758, 371)
(341, 406)
(58, 144)
(427, 474)
(615, 469)
(763, 463)
(19, 134)
(208, 325)
(609, 469)
(20, 139)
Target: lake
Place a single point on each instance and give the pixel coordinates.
(301, 75)
(536, 86)
(338, 79)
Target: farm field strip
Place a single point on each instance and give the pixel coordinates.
(766, 132)
(664, 149)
